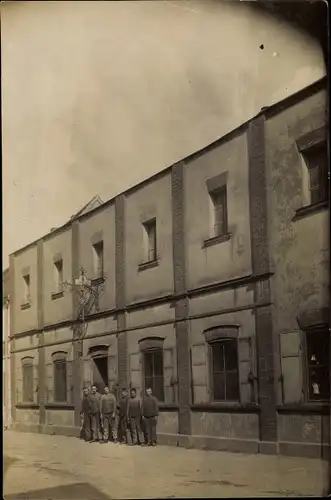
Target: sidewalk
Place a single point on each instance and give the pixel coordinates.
(61, 468)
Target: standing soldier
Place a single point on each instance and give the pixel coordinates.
(123, 416)
(150, 411)
(108, 415)
(95, 414)
(134, 417)
(85, 414)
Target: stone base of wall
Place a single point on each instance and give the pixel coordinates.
(250, 446)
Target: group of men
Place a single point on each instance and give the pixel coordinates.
(105, 418)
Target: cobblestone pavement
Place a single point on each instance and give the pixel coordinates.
(60, 468)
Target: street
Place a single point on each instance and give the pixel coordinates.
(60, 468)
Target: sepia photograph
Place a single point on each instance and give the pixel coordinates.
(166, 307)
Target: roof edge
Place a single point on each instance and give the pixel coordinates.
(267, 111)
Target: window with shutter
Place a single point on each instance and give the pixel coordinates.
(153, 372)
(224, 367)
(291, 363)
(27, 375)
(60, 380)
(199, 373)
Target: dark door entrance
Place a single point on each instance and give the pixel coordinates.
(100, 373)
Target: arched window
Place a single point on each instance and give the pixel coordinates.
(60, 376)
(27, 375)
(153, 374)
(223, 347)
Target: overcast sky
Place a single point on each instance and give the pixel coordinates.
(97, 96)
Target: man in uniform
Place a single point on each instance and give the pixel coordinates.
(95, 414)
(150, 412)
(122, 408)
(85, 414)
(108, 415)
(134, 417)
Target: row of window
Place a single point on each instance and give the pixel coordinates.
(98, 272)
(224, 371)
(316, 189)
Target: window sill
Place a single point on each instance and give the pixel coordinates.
(310, 210)
(59, 406)
(216, 240)
(148, 265)
(26, 305)
(304, 409)
(27, 406)
(57, 295)
(226, 407)
(97, 281)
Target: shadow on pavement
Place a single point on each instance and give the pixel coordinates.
(7, 462)
(78, 491)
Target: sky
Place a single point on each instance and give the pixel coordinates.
(97, 96)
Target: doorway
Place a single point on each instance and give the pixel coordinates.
(100, 372)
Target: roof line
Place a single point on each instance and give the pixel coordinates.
(267, 111)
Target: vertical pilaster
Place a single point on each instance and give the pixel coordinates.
(12, 337)
(260, 265)
(122, 341)
(77, 344)
(181, 307)
(41, 349)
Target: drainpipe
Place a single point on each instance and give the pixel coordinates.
(7, 365)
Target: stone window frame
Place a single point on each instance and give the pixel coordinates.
(150, 257)
(26, 302)
(306, 146)
(58, 270)
(218, 186)
(314, 322)
(152, 345)
(97, 242)
(60, 357)
(27, 362)
(215, 336)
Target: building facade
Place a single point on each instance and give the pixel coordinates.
(6, 386)
(214, 292)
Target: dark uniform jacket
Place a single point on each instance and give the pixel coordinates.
(94, 403)
(85, 405)
(123, 406)
(134, 408)
(107, 404)
(150, 406)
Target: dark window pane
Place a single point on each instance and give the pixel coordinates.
(148, 364)
(60, 381)
(28, 383)
(231, 354)
(219, 386)
(218, 357)
(319, 384)
(149, 382)
(232, 386)
(158, 388)
(318, 347)
(158, 363)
